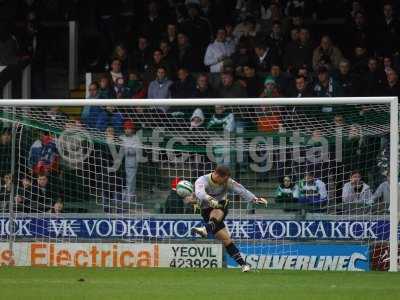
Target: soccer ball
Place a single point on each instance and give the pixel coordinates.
(184, 188)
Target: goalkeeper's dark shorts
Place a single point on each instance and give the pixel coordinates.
(205, 213)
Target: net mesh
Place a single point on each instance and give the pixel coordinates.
(323, 169)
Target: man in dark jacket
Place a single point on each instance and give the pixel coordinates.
(185, 86)
(388, 38)
(299, 53)
(347, 80)
(265, 57)
(23, 195)
(187, 56)
(325, 85)
(360, 59)
(43, 195)
(230, 88)
(300, 88)
(253, 83)
(142, 55)
(203, 89)
(373, 80)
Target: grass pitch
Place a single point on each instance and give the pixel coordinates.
(190, 284)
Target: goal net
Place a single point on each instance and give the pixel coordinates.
(101, 174)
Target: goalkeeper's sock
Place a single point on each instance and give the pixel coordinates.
(211, 225)
(234, 252)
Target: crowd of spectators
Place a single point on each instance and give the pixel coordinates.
(258, 44)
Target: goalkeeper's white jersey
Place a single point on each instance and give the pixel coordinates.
(205, 188)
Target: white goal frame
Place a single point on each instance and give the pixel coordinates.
(394, 130)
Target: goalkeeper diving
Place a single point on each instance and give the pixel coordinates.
(211, 194)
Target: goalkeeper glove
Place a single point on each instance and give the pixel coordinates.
(261, 201)
(213, 202)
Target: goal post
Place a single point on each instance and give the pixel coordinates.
(184, 154)
(394, 181)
